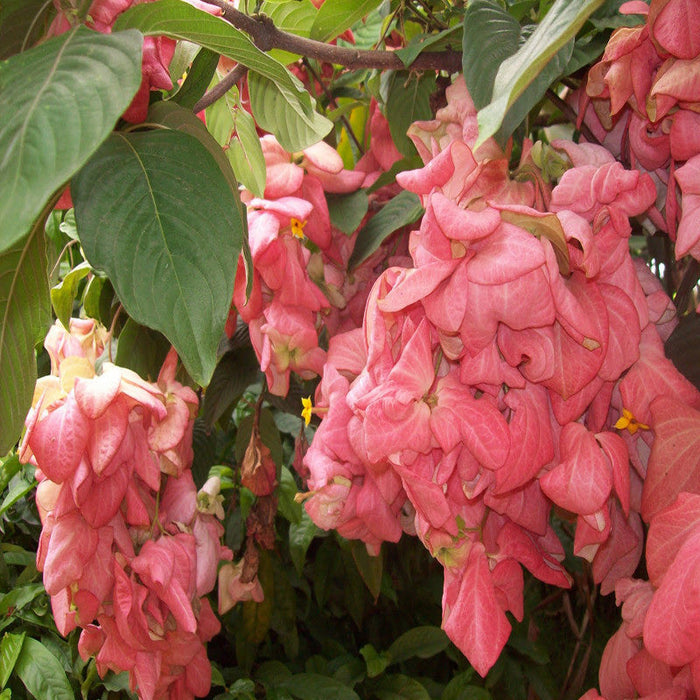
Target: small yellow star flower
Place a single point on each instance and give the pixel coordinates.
(627, 420)
(307, 410)
(297, 227)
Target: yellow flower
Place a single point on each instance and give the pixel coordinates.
(627, 420)
(307, 410)
(297, 230)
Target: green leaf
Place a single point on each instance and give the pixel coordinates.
(198, 78)
(491, 34)
(81, 82)
(301, 535)
(400, 687)
(287, 507)
(422, 642)
(534, 92)
(347, 210)
(418, 44)
(376, 662)
(458, 686)
(141, 349)
(234, 373)
(175, 237)
(408, 101)
(369, 567)
(559, 26)
(10, 648)
(19, 489)
(400, 211)
(335, 16)
(64, 293)
(179, 20)
(42, 673)
(294, 126)
(20, 596)
(173, 116)
(234, 129)
(312, 686)
(25, 316)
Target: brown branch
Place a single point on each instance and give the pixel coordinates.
(266, 36)
(233, 77)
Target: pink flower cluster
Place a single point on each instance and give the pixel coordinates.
(645, 95)
(157, 50)
(125, 551)
(301, 284)
(486, 382)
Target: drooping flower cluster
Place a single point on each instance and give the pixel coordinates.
(301, 283)
(486, 382)
(125, 551)
(645, 93)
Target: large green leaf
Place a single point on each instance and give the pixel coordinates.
(10, 648)
(285, 94)
(408, 101)
(335, 16)
(65, 97)
(156, 214)
(294, 127)
(41, 672)
(559, 26)
(25, 315)
(491, 34)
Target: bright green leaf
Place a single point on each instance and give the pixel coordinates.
(81, 82)
(559, 26)
(10, 648)
(63, 294)
(408, 101)
(175, 235)
(400, 211)
(491, 34)
(42, 673)
(294, 17)
(234, 129)
(335, 16)
(294, 126)
(422, 642)
(376, 662)
(25, 316)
